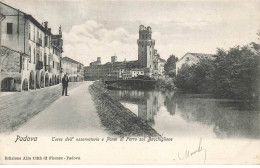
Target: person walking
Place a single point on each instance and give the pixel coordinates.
(65, 83)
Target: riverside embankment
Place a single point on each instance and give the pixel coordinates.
(117, 119)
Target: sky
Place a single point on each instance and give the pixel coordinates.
(103, 28)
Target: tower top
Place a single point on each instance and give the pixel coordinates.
(145, 33)
(143, 28)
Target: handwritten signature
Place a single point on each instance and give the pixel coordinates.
(187, 154)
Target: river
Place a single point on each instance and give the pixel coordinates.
(193, 115)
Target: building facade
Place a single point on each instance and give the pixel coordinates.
(158, 64)
(136, 72)
(30, 56)
(110, 71)
(74, 69)
(191, 58)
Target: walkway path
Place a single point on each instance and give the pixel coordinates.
(69, 115)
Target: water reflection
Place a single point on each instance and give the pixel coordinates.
(193, 115)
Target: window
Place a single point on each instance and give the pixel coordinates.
(53, 64)
(30, 53)
(9, 28)
(145, 36)
(46, 41)
(33, 33)
(34, 56)
(45, 59)
(29, 32)
(23, 63)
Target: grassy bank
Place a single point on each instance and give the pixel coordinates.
(115, 117)
(19, 107)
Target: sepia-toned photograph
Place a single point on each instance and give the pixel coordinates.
(147, 82)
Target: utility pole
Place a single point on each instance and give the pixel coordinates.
(2, 17)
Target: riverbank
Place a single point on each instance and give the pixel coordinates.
(117, 119)
(17, 108)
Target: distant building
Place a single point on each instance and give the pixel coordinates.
(191, 58)
(113, 59)
(110, 70)
(74, 69)
(158, 64)
(98, 62)
(149, 62)
(136, 72)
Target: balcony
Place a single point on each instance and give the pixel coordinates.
(39, 65)
(39, 42)
(50, 69)
(46, 67)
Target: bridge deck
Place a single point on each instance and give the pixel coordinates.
(128, 81)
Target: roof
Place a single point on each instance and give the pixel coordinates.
(34, 21)
(142, 69)
(56, 36)
(162, 60)
(198, 55)
(71, 60)
(120, 64)
(29, 17)
(1, 17)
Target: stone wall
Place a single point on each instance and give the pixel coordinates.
(10, 60)
(10, 70)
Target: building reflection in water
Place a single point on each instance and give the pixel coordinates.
(222, 118)
(148, 102)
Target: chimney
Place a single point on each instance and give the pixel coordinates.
(99, 59)
(60, 32)
(46, 25)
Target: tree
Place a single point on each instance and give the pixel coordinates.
(232, 74)
(197, 77)
(236, 73)
(170, 65)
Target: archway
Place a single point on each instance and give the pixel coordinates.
(8, 84)
(50, 82)
(58, 79)
(31, 80)
(25, 85)
(42, 80)
(46, 80)
(55, 80)
(37, 80)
